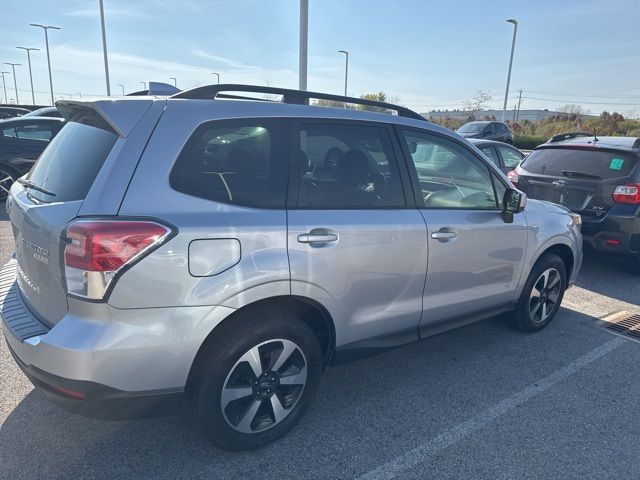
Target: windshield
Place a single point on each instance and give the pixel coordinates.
(71, 162)
(472, 128)
(574, 162)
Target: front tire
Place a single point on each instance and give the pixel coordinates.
(542, 294)
(257, 377)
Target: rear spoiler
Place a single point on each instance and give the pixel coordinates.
(121, 116)
(156, 89)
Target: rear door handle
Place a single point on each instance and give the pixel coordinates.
(444, 235)
(317, 237)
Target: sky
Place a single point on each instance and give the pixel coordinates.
(429, 54)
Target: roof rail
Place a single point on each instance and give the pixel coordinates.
(298, 97)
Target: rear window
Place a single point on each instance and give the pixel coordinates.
(601, 164)
(71, 162)
(242, 162)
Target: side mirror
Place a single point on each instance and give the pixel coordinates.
(413, 147)
(513, 201)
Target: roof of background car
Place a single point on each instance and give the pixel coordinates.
(38, 112)
(484, 141)
(31, 119)
(225, 108)
(622, 143)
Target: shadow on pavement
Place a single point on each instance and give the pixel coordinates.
(366, 413)
(608, 275)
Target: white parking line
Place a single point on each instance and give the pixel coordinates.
(428, 449)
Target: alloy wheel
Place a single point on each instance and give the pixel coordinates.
(6, 180)
(264, 386)
(544, 295)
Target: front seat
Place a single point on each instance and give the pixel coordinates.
(352, 173)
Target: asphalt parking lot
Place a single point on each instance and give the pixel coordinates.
(480, 402)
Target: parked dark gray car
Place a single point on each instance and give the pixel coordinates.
(199, 247)
(488, 130)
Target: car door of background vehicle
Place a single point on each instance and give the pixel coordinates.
(355, 243)
(475, 258)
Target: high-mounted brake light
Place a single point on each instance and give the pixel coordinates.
(513, 177)
(97, 250)
(627, 193)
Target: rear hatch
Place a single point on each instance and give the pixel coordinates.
(47, 199)
(580, 178)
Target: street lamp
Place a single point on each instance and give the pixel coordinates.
(144, 84)
(28, 50)
(46, 40)
(121, 86)
(304, 43)
(175, 82)
(15, 84)
(4, 86)
(214, 73)
(104, 48)
(346, 69)
(513, 46)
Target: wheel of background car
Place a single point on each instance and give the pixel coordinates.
(542, 294)
(332, 157)
(7, 177)
(255, 379)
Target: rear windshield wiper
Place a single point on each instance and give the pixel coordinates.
(569, 173)
(33, 186)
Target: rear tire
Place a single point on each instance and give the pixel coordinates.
(255, 379)
(542, 294)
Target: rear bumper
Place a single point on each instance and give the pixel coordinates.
(100, 401)
(105, 362)
(614, 234)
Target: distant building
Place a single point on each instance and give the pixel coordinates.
(531, 115)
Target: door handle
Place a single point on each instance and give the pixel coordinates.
(317, 237)
(444, 235)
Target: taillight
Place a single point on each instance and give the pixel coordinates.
(513, 177)
(627, 193)
(97, 250)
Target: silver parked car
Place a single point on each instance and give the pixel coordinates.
(200, 247)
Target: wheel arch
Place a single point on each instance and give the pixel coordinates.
(310, 311)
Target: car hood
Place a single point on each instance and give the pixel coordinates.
(470, 135)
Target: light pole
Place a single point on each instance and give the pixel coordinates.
(46, 41)
(175, 82)
(346, 69)
(4, 86)
(513, 46)
(144, 84)
(28, 50)
(214, 73)
(15, 84)
(121, 86)
(304, 37)
(104, 48)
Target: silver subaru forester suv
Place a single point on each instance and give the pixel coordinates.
(219, 251)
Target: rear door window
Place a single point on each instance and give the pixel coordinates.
(243, 162)
(574, 162)
(72, 160)
(510, 156)
(491, 154)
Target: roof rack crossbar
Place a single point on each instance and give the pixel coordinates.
(298, 97)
